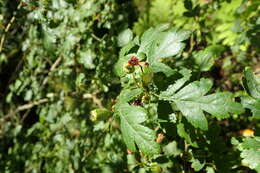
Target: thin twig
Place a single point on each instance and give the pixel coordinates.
(53, 67)
(96, 38)
(95, 99)
(8, 26)
(2, 42)
(6, 30)
(191, 44)
(25, 107)
(25, 115)
(30, 105)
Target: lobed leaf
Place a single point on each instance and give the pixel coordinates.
(124, 37)
(252, 83)
(204, 59)
(135, 133)
(182, 133)
(252, 104)
(157, 43)
(250, 148)
(127, 95)
(167, 44)
(191, 101)
(149, 37)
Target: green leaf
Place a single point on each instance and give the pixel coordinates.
(123, 57)
(133, 132)
(124, 37)
(160, 11)
(157, 43)
(172, 149)
(131, 118)
(129, 94)
(251, 83)
(196, 165)
(120, 65)
(87, 58)
(160, 67)
(99, 114)
(167, 44)
(125, 50)
(150, 36)
(179, 83)
(250, 152)
(147, 75)
(191, 101)
(49, 39)
(252, 104)
(251, 158)
(204, 59)
(251, 143)
(80, 80)
(210, 170)
(182, 133)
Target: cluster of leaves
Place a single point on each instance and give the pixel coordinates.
(144, 98)
(234, 23)
(250, 147)
(252, 85)
(249, 152)
(56, 71)
(178, 102)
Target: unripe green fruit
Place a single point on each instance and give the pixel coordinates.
(131, 162)
(99, 114)
(156, 169)
(147, 75)
(128, 68)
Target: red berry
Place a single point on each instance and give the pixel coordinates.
(133, 61)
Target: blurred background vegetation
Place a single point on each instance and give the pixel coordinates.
(56, 61)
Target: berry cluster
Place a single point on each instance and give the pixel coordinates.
(133, 61)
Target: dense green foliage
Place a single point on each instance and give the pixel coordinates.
(129, 86)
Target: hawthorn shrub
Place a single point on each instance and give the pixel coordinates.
(174, 102)
(129, 86)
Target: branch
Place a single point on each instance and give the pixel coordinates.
(30, 105)
(95, 99)
(25, 107)
(8, 26)
(96, 38)
(53, 67)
